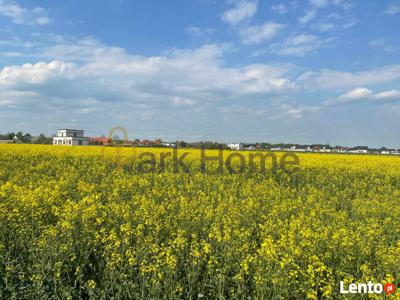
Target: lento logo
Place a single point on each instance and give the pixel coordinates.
(368, 288)
(389, 288)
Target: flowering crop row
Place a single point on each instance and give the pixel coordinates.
(79, 223)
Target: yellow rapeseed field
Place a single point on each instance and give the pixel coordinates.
(85, 222)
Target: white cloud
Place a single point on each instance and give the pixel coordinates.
(200, 32)
(15, 42)
(343, 20)
(36, 74)
(242, 11)
(364, 94)
(88, 69)
(42, 20)
(74, 72)
(260, 33)
(344, 4)
(388, 95)
(299, 45)
(7, 103)
(356, 94)
(282, 111)
(311, 14)
(333, 79)
(325, 27)
(21, 15)
(279, 8)
(392, 10)
(296, 112)
(251, 34)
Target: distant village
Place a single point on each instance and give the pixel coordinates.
(75, 137)
(325, 148)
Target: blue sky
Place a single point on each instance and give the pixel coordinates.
(311, 71)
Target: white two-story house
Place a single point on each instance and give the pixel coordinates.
(235, 146)
(70, 137)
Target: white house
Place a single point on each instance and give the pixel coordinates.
(70, 137)
(234, 146)
(362, 151)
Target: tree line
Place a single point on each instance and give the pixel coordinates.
(26, 138)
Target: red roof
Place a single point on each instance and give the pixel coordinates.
(103, 140)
